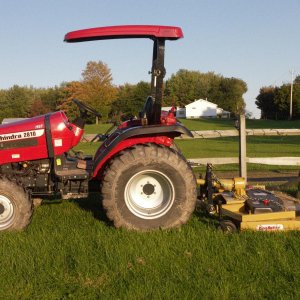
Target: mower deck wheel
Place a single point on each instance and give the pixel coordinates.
(228, 226)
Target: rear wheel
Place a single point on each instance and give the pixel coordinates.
(15, 206)
(149, 187)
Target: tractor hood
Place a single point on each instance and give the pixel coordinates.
(39, 137)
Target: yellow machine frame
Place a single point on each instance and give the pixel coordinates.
(228, 197)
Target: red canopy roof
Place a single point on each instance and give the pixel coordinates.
(125, 31)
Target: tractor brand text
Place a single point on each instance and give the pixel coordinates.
(21, 135)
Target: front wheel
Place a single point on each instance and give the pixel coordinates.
(15, 206)
(149, 187)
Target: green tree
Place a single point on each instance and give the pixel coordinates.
(124, 94)
(297, 79)
(95, 89)
(130, 99)
(71, 90)
(16, 102)
(52, 97)
(231, 95)
(296, 100)
(140, 93)
(3, 102)
(274, 102)
(265, 101)
(282, 101)
(186, 86)
(37, 108)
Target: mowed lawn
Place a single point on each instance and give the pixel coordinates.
(71, 251)
(214, 124)
(257, 146)
(223, 124)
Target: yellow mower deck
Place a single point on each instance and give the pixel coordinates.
(271, 221)
(243, 208)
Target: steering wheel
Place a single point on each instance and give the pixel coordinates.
(85, 109)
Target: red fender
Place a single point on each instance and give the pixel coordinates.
(99, 163)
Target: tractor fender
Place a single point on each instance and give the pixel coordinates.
(125, 138)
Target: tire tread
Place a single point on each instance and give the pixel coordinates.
(144, 154)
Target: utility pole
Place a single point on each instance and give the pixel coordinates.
(291, 98)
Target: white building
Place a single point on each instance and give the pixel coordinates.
(200, 109)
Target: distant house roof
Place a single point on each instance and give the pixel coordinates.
(203, 102)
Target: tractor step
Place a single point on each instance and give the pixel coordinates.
(73, 174)
(74, 196)
(73, 168)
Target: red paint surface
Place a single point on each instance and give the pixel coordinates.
(125, 31)
(64, 136)
(160, 140)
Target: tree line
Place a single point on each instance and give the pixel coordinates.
(274, 101)
(96, 88)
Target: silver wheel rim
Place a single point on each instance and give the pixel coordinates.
(6, 212)
(149, 194)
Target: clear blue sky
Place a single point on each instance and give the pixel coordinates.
(257, 41)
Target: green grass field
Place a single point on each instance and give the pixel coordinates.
(214, 124)
(70, 251)
(260, 146)
(257, 146)
(268, 146)
(94, 128)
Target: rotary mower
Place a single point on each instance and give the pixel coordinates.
(144, 181)
(240, 207)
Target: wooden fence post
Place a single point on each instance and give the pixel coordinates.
(242, 147)
(298, 192)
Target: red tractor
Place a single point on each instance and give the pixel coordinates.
(144, 181)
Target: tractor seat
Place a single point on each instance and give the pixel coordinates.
(147, 112)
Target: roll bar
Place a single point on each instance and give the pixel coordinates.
(159, 34)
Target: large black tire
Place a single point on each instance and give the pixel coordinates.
(15, 205)
(149, 187)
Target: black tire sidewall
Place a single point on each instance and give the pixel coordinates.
(228, 227)
(171, 215)
(20, 200)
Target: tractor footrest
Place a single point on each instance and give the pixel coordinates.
(74, 196)
(73, 174)
(85, 164)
